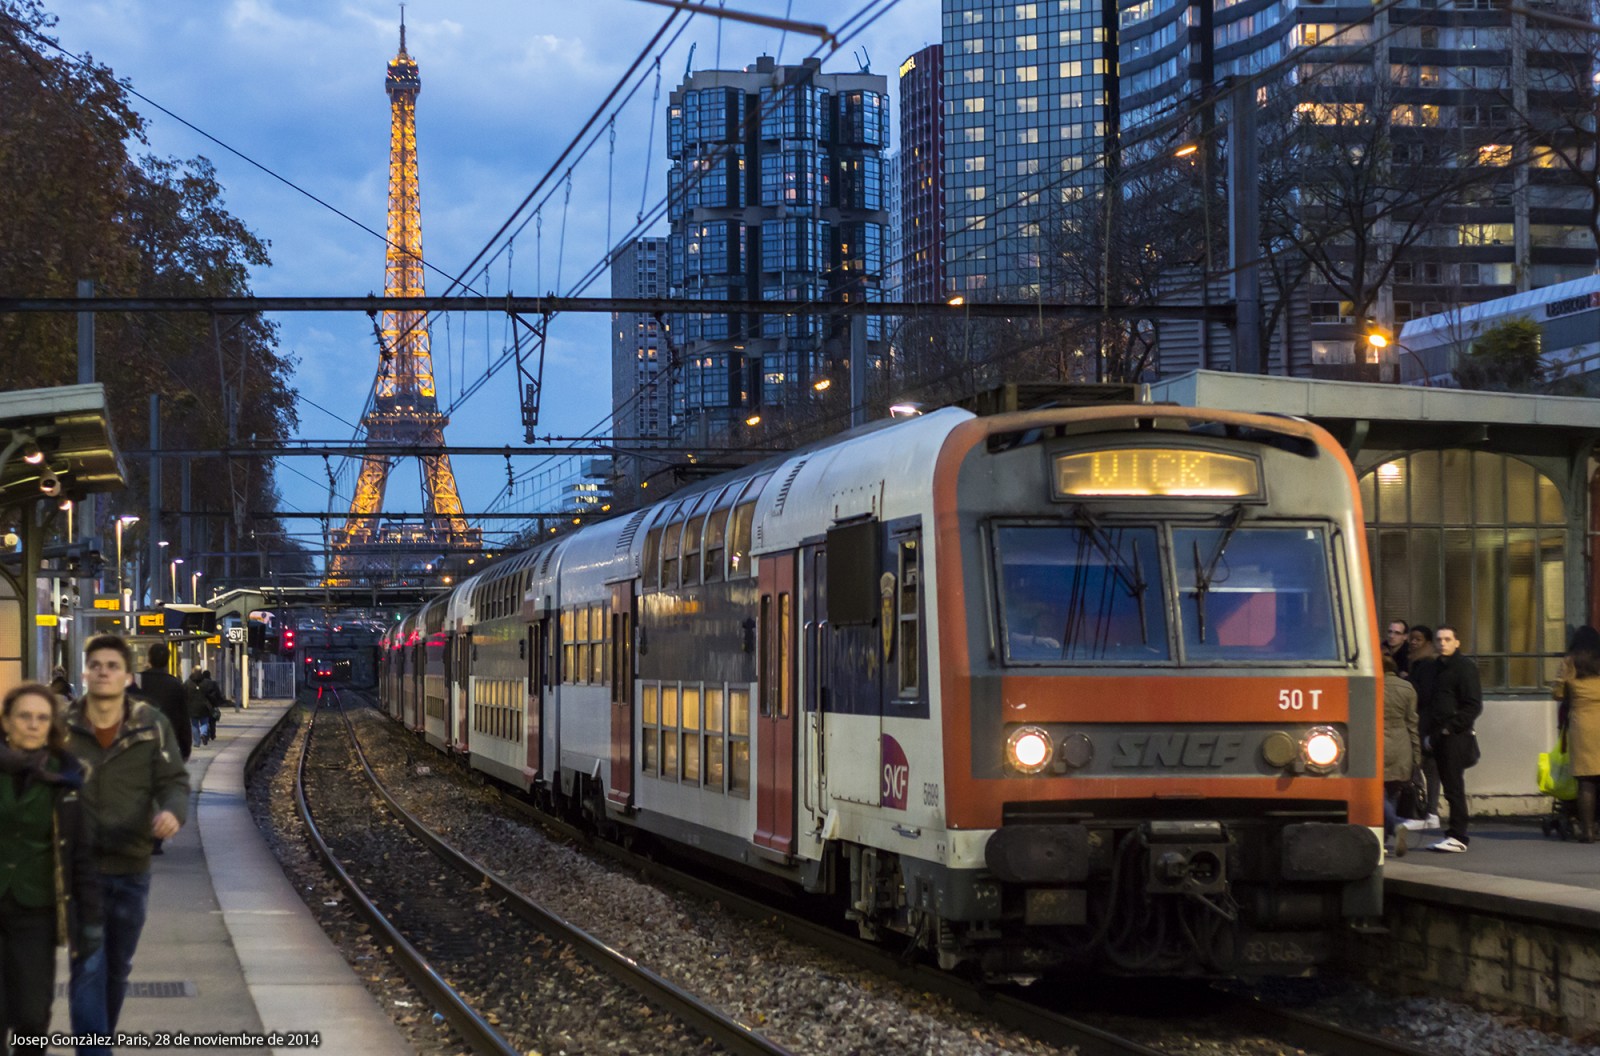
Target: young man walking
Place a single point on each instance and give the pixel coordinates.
(1455, 705)
(137, 793)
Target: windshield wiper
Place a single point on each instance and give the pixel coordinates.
(1203, 574)
(1131, 575)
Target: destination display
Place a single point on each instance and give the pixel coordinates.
(1156, 471)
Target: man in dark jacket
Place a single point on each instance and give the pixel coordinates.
(137, 792)
(163, 689)
(1398, 645)
(1453, 708)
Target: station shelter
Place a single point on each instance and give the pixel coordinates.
(1483, 513)
(56, 452)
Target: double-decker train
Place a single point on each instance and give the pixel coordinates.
(1071, 688)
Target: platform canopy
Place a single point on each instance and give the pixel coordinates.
(56, 442)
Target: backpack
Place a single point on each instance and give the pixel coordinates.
(194, 699)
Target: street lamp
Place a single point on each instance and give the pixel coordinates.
(122, 522)
(175, 563)
(1380, 341)
(194, 587)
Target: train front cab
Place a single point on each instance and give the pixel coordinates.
(1160, 695)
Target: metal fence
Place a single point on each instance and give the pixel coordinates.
(269, 680)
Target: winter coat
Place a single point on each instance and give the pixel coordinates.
(1457, 694)
(74, 885)
(166, 692)
(141, 774)
(1583, 723)
(1402, 744)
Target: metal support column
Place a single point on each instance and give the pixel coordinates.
(858, 370)
(1244, 228)
(153, 524)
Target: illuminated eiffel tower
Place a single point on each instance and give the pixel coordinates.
(405, 411)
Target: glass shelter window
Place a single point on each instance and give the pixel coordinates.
(1478, 541)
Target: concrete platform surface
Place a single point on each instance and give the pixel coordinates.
(228, 946)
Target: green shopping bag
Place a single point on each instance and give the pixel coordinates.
(1555, 772)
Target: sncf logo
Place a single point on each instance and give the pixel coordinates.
(896, 774)
(1145, 750)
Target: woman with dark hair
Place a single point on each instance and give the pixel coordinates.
(1578, 689)
(49, 893)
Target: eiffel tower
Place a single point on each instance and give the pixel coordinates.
(405, 411)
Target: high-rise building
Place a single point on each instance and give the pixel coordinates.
(1439, 91)
(894, 269)
(1030, 93)
(776, 192)
(640, 412)
(921, 183)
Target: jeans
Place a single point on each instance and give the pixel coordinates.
(100, 981)
(27, 970)
(1391, 816)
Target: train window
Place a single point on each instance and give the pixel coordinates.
(1254, 594)
(691, 549)
(1073, 593)
(744, 517)
(650, 560)
(650, 731)
(568, 649)
(785, 650)
(739, 742)
(669, 555)
(716, 538)
(906, 616)
(597, 645)
(669, 731)
(689, 755)
(714, 741)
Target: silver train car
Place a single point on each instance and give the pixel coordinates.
(1068, 689)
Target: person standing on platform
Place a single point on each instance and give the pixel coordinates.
(1402, 749)
(199, 707)
(1456, 704)
(1578, 689)
(162, 688)
(1397, 645)
(137, 792)
(214, 699)
(49, 891)
(1421, 668)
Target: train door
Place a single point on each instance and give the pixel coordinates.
(463, 679)
(533, 649)
(814, 675)
(620, 663)
(775, 711)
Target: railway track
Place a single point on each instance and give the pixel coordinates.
(1020, 1011)
(463, 937)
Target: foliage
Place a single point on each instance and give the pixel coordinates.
(77, 205)
(1505, 358)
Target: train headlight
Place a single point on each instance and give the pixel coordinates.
(1028, 749)
(1322, 750)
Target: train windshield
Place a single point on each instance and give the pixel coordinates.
(1254, 593)
(1081, 592)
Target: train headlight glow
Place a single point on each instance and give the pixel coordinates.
(1322, 749)
(1028, 749)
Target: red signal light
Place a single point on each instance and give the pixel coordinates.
(288, 640)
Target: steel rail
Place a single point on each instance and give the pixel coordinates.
(723, 1030)
(1010, 1012)
(473, 1028)
(1296, 1028)
(1303, 1031)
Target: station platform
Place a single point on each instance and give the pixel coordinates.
(1510, 868)
(228, 946)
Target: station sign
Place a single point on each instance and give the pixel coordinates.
(46, 619)
(235, 635)
(152, 619)
(108, 601)
(215, 639)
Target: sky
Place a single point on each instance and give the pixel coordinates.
(297, 86)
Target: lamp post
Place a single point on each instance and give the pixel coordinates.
(1380, 340)
(122, 522)
(194, 587)
(175, 563)
(155, 575)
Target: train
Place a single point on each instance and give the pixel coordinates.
(1088, 688)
